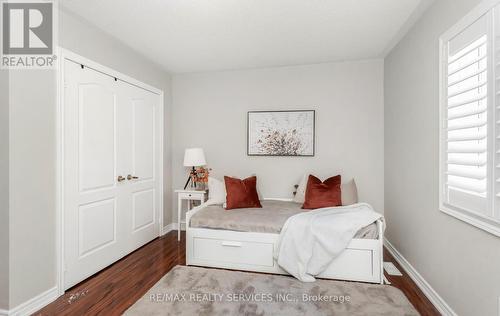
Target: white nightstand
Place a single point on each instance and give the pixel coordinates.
(188, 195)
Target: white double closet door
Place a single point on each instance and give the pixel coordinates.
(111, 163)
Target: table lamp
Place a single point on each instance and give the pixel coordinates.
(193, 157)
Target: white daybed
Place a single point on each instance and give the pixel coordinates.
(253, 250)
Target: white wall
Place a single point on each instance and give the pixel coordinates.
(210, 111)
(31, 184)
(32, 152)
(4, 189)
(460, 261)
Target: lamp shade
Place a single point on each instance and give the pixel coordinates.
(194, 157)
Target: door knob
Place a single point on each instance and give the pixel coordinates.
(120, 179)
(130, 177)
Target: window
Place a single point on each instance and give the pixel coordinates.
(470, 120)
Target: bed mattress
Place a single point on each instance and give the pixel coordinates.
(268, 219)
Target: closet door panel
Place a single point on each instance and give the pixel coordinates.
(143, 209)
(96, 121)
(144, 185)
(96, 226)
(91, 190)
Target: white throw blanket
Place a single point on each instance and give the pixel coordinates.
(310, 241)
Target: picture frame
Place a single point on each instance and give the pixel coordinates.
(283, 133)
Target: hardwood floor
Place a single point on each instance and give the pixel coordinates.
(116, 288)
(409, 288)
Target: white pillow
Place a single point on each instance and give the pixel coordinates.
(300, 196)
(216, 191)
(349, 191)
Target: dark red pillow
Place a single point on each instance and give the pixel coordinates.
(322, 194)
(241, 193)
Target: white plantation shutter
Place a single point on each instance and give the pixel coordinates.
(467, 119)
(466, 135)
(470, 121)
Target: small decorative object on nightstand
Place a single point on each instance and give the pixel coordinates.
(193, 157)
(190, 196)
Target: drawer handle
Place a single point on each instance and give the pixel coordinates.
(231, 244)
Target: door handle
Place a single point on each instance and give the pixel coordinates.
(130, 177)
(120, 179)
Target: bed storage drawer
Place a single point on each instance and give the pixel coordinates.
(355, 264)
(233, 251)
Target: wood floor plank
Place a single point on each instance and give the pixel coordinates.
(116, 288)
(410, 289)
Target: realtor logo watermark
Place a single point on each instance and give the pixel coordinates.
(28, 34)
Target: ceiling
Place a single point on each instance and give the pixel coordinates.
(207, 35)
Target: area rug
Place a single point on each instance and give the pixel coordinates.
(201, 291)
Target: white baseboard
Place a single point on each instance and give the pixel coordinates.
(172, 226)
(4, 312)
(168, 228)
(34, 304)
(424, 286)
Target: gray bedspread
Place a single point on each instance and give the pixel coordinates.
(268, 219)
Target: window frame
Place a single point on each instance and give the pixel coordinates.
(484, 222)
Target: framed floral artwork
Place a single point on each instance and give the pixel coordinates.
(280, 133)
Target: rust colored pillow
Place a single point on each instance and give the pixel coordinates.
(322, 194)
(241, 193)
